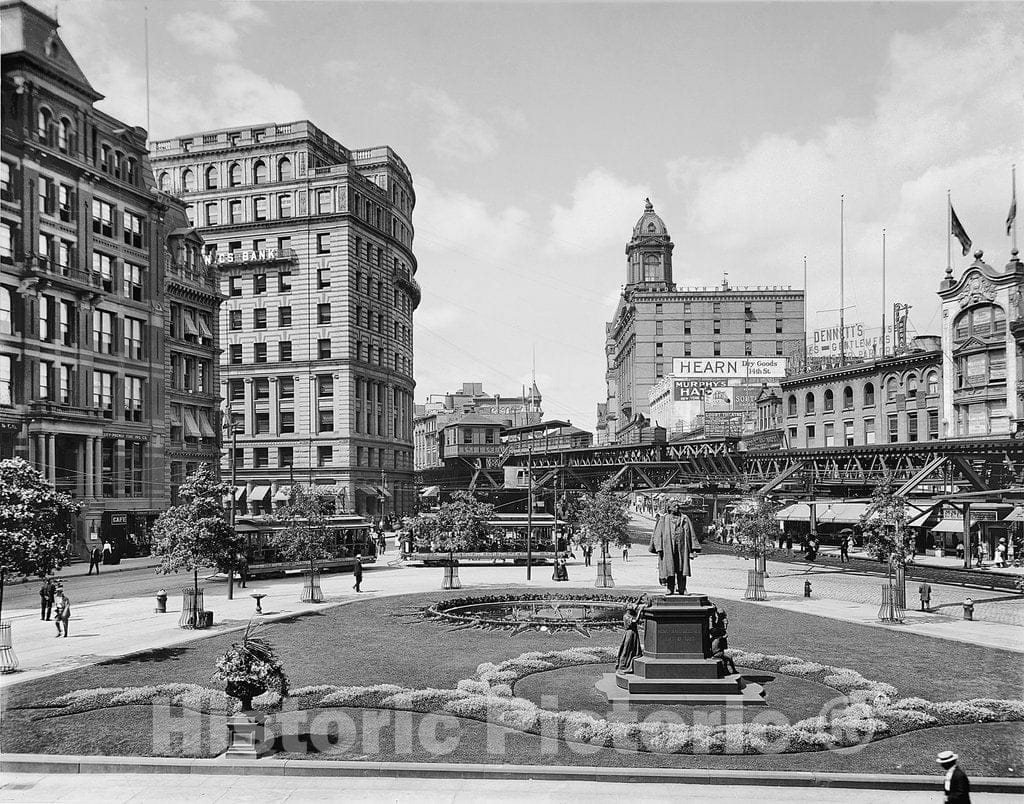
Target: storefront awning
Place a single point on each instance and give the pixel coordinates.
(190, 326)
(204, 329)
(367, 490)
(191, 425)
(1016, 515)
(239, 492)
(282, 494)
(176, 415)
(797, 512)
(204, 425)
(430, 491)
(382, 491)
(259, 493)
(951, 526)
(843, 513)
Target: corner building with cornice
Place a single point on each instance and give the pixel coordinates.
(656, 321)
(312, 243)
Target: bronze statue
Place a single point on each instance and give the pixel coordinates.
(674, 539)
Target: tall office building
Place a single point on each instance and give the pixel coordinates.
(656, 322)
(312, 242)
(86, 244)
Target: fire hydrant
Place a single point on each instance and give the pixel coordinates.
(161, 602)
(968, 609)
(807, 588)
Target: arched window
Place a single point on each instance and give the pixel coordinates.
(847, 398)
(118, 162)
(982, 321)
(105, 158)
(65, 135)
(933, 383)
(188, 180)
(43, 120)
(830, 401)
(284, 169)
(869, 394)
(259, 172)
(792, 405)
(130, 174)
(164, 182)
(809, 403)
(891, 388)
(211, 177)
(911, 386)
(235, 175)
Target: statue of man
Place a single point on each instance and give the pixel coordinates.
(674, 538)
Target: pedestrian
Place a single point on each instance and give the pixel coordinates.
(381, 542)
(94, 560)
(1011, 554)
(1001, 553)
(357, 572)
(844, 548)
(108, 552)
(625, 552)
(243, 570)
(960, 550)
(925, 590)
(63, 611)
(47, 593)
(957, 786)
(982, 554)
(811, 552)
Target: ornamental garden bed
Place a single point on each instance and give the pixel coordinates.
(381, 657)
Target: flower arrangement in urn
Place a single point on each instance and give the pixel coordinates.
(250, 668)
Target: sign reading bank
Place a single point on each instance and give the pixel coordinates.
(740, 367)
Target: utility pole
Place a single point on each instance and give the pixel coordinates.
(231, 511)
(842, 282)
(529, 510)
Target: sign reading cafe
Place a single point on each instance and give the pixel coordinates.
(742, 367)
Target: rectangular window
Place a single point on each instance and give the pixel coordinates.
(716, 307)
(323, 243)
(6, 380)
(869, 431)
(66, 203)
(933, 425)
(716, 327)
(284, 316)
(261, 457)
(235, 354)
(324, 455)
(284, 281)
(234, 319)
(810, 435)
(132, 229)
(234, 286)
(103, 332)
(262, 423)
(133, 338)
(236, 390)
(912, 426)
(67, 324)
(323, 348)
(286, 387)
(103, 393)
(261, 389)
(259, 353)
(323, 278)
(687, 350)
(285, 456)
(830, 435)
(132, 281)
(325, 421)
(46, 318)
(259, 208)
(6, 243)
(287, 421)
(133, 399)
(134, 469)
(259, 283)
(659, 350)
(778, 309)
(212, 213)
(284, 208)
(324, 385)
(66, 386)
(659, 327)
(238, 458)
(102, 218)
(894, 428)
(323, 202)
(235, 211)
(103, 271)
(778, 348)
(259, 318)
(323, 313)
(716, 348)
(284, 351)
(748, 348)
(45, 372)
(778, 326)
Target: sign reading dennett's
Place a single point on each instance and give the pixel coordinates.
(742, 367)
(261, 255)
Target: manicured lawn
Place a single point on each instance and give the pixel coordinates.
(386, 640)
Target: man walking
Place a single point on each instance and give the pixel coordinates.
(357, 572)
(957, 786)
(844, 548)
(94, 560)
(925, 590)
(63, 613)
(243, 570)
(46, 595)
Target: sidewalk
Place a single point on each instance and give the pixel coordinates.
(110, 629)
(158, 788)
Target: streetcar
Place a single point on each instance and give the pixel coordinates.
(348, 535)
(506, 542)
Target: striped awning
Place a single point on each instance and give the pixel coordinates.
(239, 492)
(191, 425)
(797, 512)
(951, 526)
(259, 493)
(1016, 515)
(843, 512)
(204, 425)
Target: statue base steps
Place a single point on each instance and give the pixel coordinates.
(731, 690)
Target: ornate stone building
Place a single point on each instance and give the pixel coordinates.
(656, 322)
(83, 241)
(312, 244)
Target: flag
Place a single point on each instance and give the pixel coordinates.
(1011, 216)
(959, 232)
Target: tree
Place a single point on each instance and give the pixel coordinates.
(568, 511)
(884, 524)
(757, 527)
(604, 518)
(37, 523)
(306, 536)
(195, 533)
(460, 524)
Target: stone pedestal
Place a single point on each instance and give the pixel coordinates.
(677, 667)
(245, 735)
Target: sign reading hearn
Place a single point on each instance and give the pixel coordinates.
(740, 367)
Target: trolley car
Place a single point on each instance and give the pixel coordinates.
(347, 536)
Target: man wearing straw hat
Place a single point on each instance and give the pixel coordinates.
(957, 786)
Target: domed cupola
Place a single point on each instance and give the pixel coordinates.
(649, 253)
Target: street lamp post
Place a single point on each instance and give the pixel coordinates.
(231, 510)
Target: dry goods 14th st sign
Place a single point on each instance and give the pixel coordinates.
(740, 367)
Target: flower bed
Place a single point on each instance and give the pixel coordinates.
(867, 710)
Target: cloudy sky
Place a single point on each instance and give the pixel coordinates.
(534, 132)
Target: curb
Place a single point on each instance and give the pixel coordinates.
(42, 763)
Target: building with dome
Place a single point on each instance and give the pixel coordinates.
(657, 322)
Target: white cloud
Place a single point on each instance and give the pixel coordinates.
(603, 211)
(205, 33)
(948, 115)
(456, 132)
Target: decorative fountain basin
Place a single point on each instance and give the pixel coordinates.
(518, 613)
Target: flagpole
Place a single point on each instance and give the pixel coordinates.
(949, 239)
(805, 313)
(842, 281)
(1013, 181)
(883, 292)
